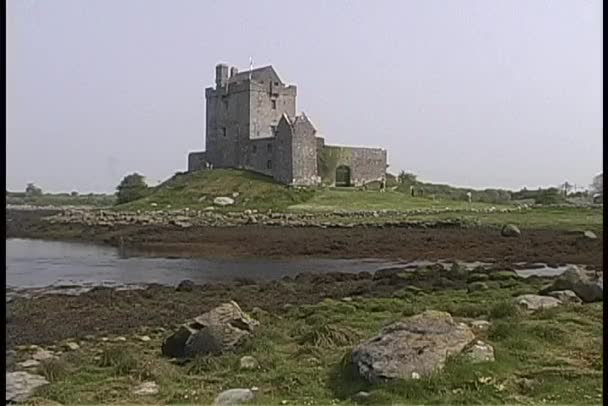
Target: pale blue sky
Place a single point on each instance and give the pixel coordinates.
(481, 93)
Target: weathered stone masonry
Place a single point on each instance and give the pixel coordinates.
(251, 123)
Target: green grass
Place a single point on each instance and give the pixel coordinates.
(554, 356)
(353, 199)
(557, 218)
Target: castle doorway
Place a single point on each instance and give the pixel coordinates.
(342, 175)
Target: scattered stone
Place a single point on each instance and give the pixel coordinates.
(185, 286)
(503, 275)
(510, 230)
(566, 296)
(30, 363)
(480, 352)
(480, 325)
(71, 346)
(20, 385)
(361, 396)
(222, 328)
(417, 345)
(234, 397)
(477, 286)
(235, 194)
(536, 302)
(574, 279)
(120, 339)
(145, 339)
(590, 235)
(146, 389)
(223, 201)
(43, 355)
(249, 362)
(478, 277)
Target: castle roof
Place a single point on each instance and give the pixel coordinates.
(265, 73)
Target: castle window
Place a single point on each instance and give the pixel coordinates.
(274, 104)
(269, 147)
(224, 131)
(269, 164)
(273, 130)
(226, 104)
(254, 148)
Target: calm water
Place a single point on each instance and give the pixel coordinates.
(38, 263)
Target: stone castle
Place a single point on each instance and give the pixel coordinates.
(252, 124)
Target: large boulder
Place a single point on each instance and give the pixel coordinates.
(536, 302)
(587, 288)
(220, 329)
(411, 348)
(21, 385)
(223, 201)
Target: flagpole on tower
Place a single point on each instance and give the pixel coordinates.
(250, 66)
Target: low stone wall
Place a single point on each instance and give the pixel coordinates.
(210, 218)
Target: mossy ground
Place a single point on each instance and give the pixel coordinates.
(549, 357)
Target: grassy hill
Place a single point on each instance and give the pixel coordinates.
(254, 191)
(197, 190)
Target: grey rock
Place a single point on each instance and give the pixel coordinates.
(480, 352)
(71, 346)
(146, 389)
(566, 296)
(480, 325)
(185, 286)
(223, 201)
(510, 230)
(411, 348)
(249, 362)
(43, 355)
(222, 328)
(476, 286)
(21, 385)
(536, 302)
(234, 397)
(30, 363)
(590, 235)
(574, 279)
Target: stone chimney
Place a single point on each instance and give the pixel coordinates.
(233, 71)
(221, 75)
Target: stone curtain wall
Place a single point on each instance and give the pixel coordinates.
(196, 161)
(366, 164)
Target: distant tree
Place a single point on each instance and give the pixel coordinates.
(405, 177)
(597, 187)
(132, 187)
(566, 187)
(32, 190)
(74, 193)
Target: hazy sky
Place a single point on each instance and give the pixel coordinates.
(481, 93)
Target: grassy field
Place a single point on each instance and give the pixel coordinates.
(353, 199)
(576, 219)
(550, 357)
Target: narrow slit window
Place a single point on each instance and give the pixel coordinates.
(269, 164)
